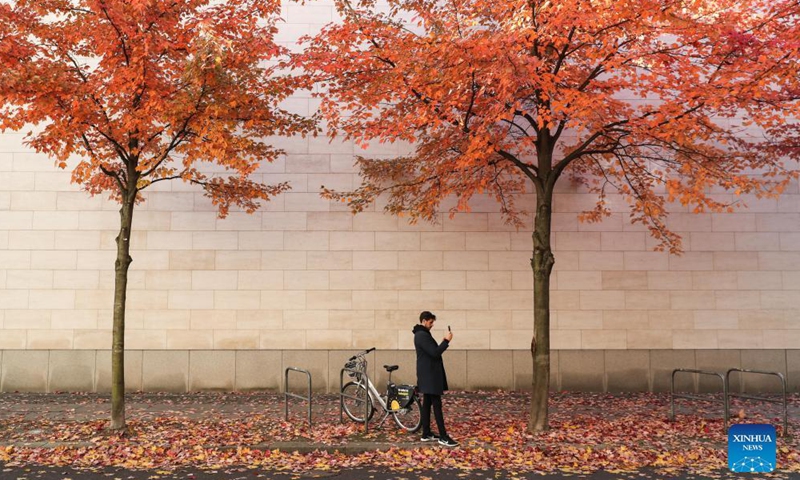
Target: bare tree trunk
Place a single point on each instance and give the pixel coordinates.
(120, 292)
(542, 264)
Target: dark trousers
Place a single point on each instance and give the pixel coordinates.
(436, 402)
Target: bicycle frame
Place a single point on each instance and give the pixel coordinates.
(375, 395)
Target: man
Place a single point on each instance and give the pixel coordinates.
(431, 377)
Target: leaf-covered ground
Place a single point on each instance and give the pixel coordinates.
(589, 432)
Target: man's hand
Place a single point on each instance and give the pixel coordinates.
(449, 336)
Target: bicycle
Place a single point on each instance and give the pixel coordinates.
(400, 401)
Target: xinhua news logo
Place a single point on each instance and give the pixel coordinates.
(751, 448)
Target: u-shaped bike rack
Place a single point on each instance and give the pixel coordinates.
(673, 395)
(758, 398)
(288, 394)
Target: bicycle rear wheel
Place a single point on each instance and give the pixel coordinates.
(353, 402)
(409, 418)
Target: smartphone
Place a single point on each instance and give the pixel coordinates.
(448, 328)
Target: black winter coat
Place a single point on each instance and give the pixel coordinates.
(431, 377)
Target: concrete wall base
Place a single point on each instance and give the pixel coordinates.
(243, 370)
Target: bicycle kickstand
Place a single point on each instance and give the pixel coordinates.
(385, 416)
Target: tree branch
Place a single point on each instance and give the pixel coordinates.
(119, 35)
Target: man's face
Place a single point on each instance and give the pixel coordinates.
(428, 323)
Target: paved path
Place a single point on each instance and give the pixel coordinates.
(49, 473)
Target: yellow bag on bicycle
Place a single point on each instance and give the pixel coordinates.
(400, 396)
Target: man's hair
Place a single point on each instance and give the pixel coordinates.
(426, 315)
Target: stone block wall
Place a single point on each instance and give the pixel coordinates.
(303, 274)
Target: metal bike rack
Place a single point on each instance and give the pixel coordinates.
(672, 393)
(342, 396)
(762, 399)
(287, 394)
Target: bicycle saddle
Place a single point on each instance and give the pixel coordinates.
(390, 368)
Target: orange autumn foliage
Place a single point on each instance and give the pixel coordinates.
(148, 90)
(658, 101)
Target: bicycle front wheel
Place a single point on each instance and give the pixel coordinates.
(353, 401)
(409, 418)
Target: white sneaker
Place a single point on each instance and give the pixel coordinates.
(448, 442)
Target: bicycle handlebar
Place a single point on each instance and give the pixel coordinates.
(362, 353)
